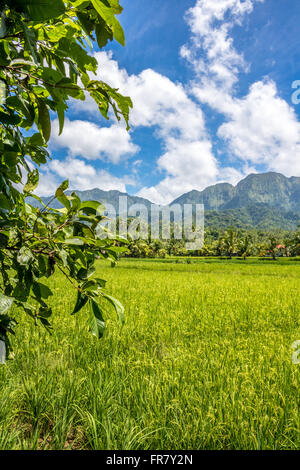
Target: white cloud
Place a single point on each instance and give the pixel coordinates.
(210, 22)
(261, 128)
(86, 139)
(189, 165)
(81, 176)
(157, 101)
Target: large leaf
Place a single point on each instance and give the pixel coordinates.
(61, 116)
(73, 241)
(40, 10)
(92, 207)
(32, 181)
(41, 291)
(80, 302)
(117, 305)
(97, 323)
(106, 12)
(60, 195)
(44, 119)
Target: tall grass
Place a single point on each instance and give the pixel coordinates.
(203, 362)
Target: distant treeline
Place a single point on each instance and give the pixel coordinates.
(229, 243)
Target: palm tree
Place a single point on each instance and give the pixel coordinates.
(229, 242)
(293, 244)
(245, 246)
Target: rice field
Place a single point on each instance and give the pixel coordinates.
(202, 362)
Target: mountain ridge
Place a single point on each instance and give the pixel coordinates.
(260, 200)
(273, 189)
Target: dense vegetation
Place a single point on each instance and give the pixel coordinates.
(202, 362)
(227, 243)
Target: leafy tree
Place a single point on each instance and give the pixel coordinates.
(229, 242)
(245, 246)
(138, 249)
(293, 244)
(43, 63)
(272, 247)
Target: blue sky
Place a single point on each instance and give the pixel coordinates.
(211, 82)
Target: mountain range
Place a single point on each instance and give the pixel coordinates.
(264, 201)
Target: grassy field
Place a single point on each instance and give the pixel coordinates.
(203, 362)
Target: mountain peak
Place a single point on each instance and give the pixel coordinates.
(258, 192)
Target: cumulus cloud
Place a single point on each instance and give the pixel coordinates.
(157, 101)
(210, 23)
(260, 128)
(263, 129)
(81, 176)
(189, 165)
(86, 139)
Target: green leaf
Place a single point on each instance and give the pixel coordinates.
(117, 305)
(91, 207)
(20, 61)
(60, 195)
(38, 10)
(44, 119)
(103, 33)
(32, 181)
(82, 59)
(5, 303)
(61, 116)
(45, 312)
(69, 88)
(108, 16)
(3, 240)
(80, 302)
(10, 118)
(64, 185)
(5, 203)
(75, 200)
(97, 323)
(93, 285)
(41, 291)
(73, 241)
(30, 40)
(36, 139)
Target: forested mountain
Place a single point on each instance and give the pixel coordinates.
(264, 201)
(271, 189)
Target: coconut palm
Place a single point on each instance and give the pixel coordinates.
(245, 246)
(229, 242)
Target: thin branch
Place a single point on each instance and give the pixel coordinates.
(69, 279)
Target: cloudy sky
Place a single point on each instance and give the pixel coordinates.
(211, 83)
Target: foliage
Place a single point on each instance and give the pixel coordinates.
(43, 64)
(217, 243)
